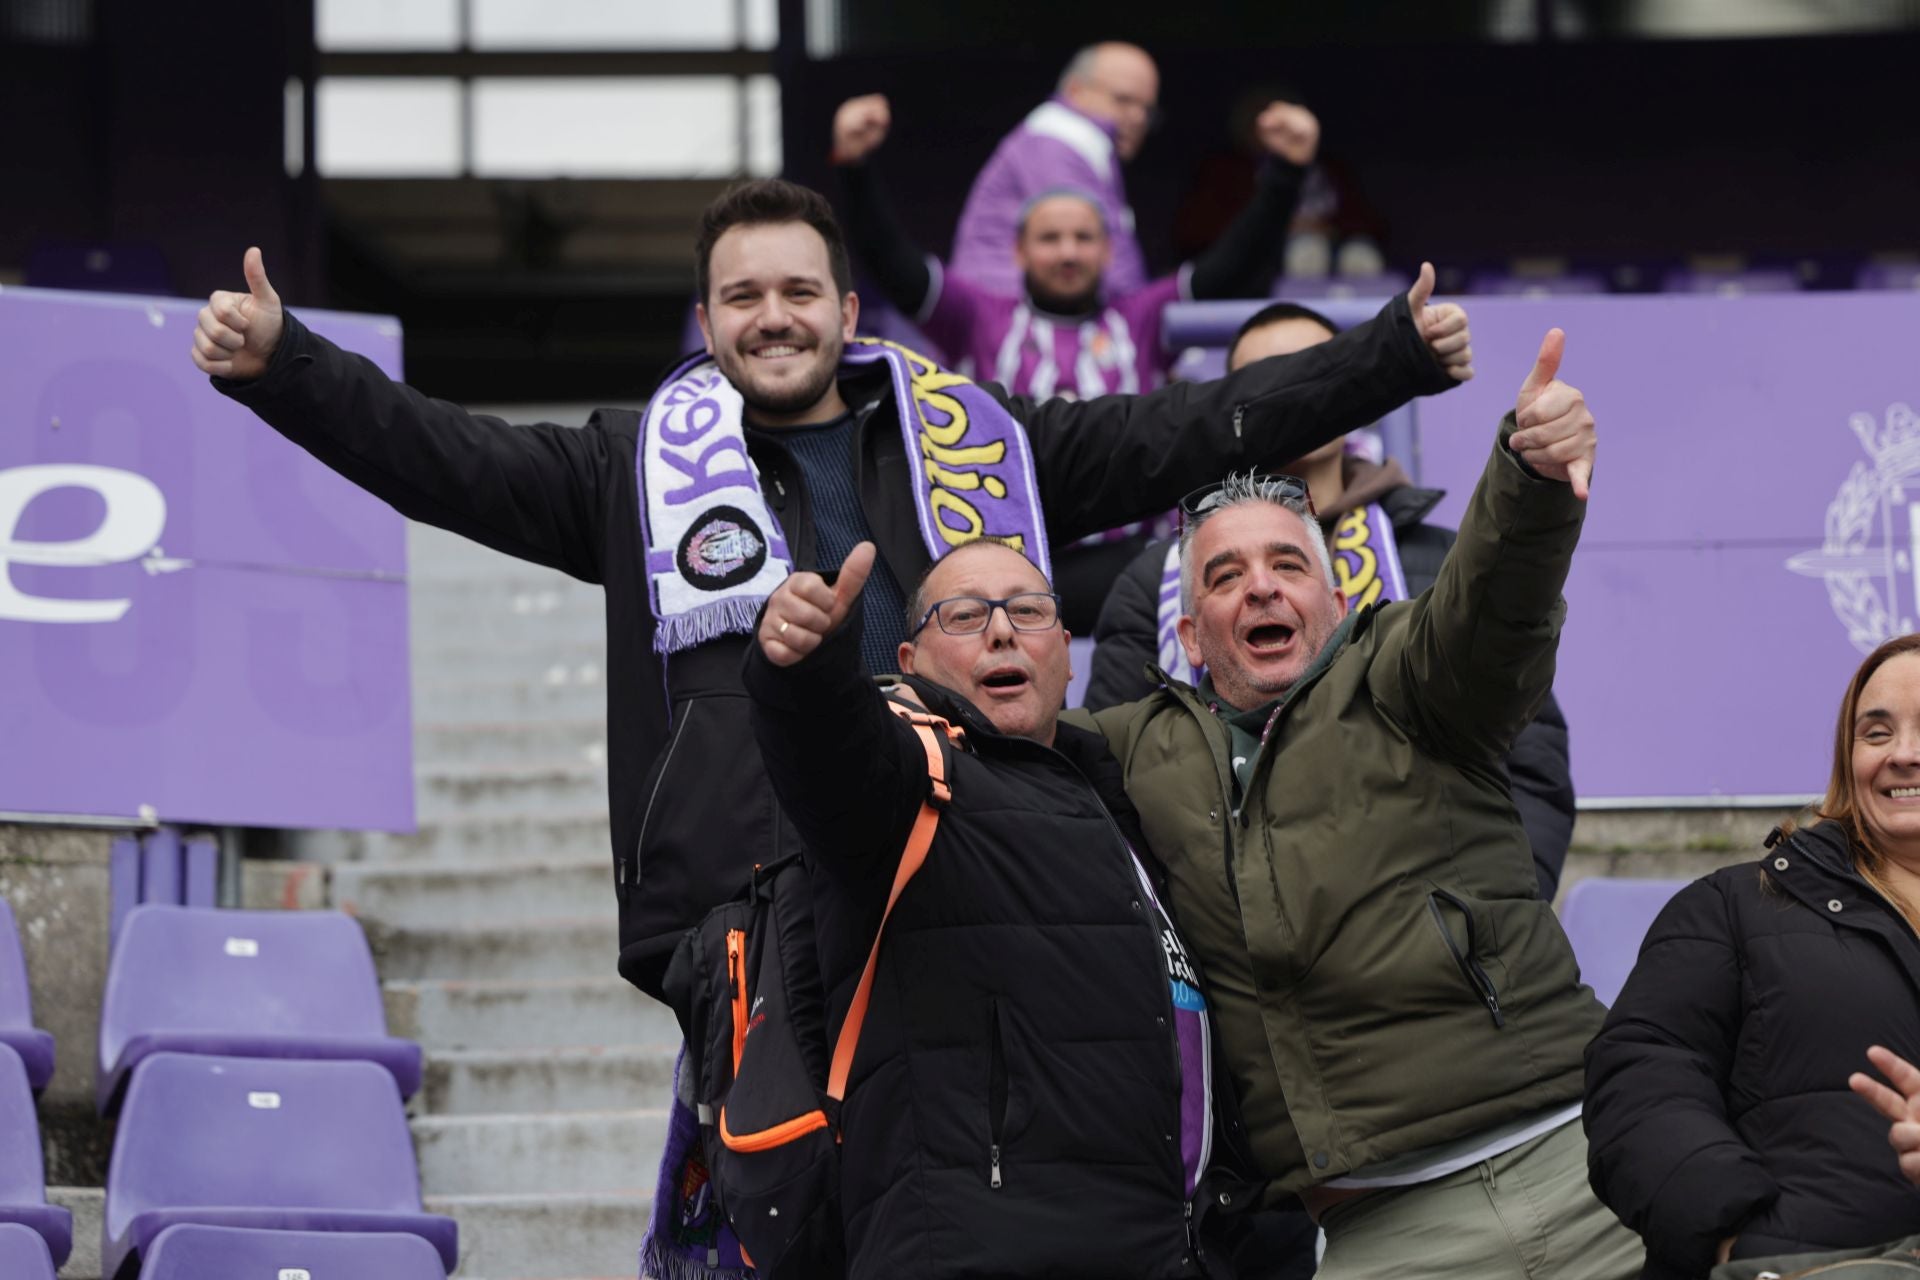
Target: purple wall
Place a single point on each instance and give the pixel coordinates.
(1744, 546)
(195, 616)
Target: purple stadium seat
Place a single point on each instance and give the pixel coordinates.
(127, 267)
(17, 1031)
(1888, 275)
(1607, 919)
(23, 1254)
(264, 1143)
(193, 1252)
(1081, 648)
(23, 1183)
(1328, 288)
(256, 984)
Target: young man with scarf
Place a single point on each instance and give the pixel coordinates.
(1384, 549)
(781, 448)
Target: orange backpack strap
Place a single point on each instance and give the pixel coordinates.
(931, 730)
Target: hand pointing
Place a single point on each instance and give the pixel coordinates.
(237, 332)
(1555, 435)
(804, 610)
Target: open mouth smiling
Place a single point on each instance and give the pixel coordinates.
(1269, 638)
(1005, 682)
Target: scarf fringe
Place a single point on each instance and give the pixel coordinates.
(662, 1263)
(733, 616)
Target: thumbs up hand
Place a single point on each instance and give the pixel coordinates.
(1442, 328)
(1555, 435)
(237, 332)
(804, 610)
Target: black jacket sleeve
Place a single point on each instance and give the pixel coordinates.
(1542, 776)
(1111, 459)
(1661, 1150)
(849, 773)
(1246, 257)
(895, 262)
(534, 492)
(1127, 635)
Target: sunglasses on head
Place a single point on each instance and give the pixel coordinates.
(1283, 488)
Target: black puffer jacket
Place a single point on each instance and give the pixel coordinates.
(1021, 1000)
(1538, 766)
(1717, 1100)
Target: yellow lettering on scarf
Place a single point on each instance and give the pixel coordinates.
(1361, 585)
(943, 453)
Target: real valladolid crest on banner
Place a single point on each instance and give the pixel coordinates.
(1871, 556)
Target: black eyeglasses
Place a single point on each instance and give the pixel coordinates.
(1274, 487)
(969, 615)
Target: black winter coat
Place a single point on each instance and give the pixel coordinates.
(1021, 1005)
(1538, 767)
(1717, 1100)
(690, 812)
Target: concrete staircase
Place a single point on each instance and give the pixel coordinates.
(540, 1123)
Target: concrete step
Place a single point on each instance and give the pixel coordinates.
(88, 1205)
(565, 946)
(547, 1237)
(1728, 830)
(524, 1014)
(562, 835)
(472, 893)
(454, 700)
(521, 621)
(504, 1081)
(457, 656)
(510, 742)
(539, 1153)
(506, 790)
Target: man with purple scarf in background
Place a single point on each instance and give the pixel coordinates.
(1096, 119)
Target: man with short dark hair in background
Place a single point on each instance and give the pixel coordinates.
(1374, 516)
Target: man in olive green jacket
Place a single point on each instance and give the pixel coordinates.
(1400, 1015)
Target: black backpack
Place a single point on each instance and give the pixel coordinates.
(745, 983)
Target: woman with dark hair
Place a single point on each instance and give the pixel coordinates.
(1719, 1119)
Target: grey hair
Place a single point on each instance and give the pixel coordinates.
(1236, 490)
(1079, 67)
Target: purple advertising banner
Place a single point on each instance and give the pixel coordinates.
(1751, 534)
(198, 622)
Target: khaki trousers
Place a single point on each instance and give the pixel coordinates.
(1524, 1215)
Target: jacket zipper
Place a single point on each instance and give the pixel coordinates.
(639, 841)
(1468, 966)
(997, 1087)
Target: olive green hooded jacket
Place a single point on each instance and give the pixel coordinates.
(1382, 975)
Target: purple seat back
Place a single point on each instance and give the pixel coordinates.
(202, 1132)
(1606, 920)
(194, 1252)
(1888, 275)
(215, 981)
(23, 1185)
(23, 1254)
(17, 1031)
(1499, 284)
(1339, 288)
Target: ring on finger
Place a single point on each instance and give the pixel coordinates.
(783, 627)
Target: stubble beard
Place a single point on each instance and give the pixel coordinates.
(791, 400)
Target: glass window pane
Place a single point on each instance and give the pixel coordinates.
(604, 24)
(763, 24)
(387, 126)
(621, 127)
(763, 126)
(386, 24)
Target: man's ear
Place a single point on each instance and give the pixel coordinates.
(1189, 640)
(849, 315)
(1339, 604)
(906, 657)
(706, 330)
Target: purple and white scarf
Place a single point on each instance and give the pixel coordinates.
(715, 552)
(1366, 570)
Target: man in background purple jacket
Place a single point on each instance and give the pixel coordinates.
(1078, 138)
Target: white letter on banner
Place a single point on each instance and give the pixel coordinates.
(136, 515)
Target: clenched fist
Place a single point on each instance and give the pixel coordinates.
(237, 332)
(859, 127)
(1289, 131)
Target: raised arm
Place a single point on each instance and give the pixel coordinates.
(848, 772)
(1246, 257)
(1477, 654)
(536, 492)
(898, 265)
(1661, 1150)
(1112, 459)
